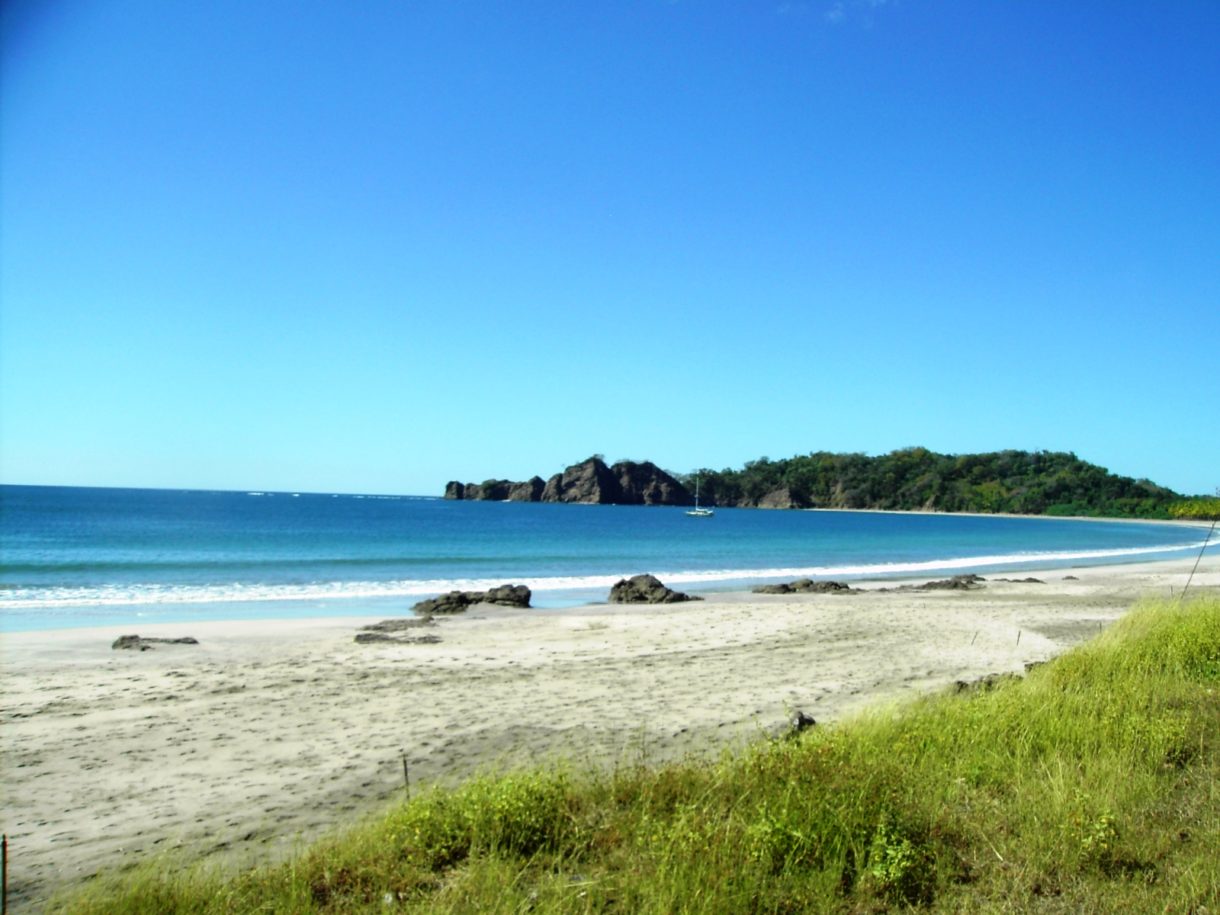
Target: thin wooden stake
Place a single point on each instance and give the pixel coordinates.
(1018, 636)
(1202, 549)
(976, 635)
(406, 774)
(4, 869)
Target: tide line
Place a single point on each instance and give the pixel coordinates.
(145, 594)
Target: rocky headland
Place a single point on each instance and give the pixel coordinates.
(591, 482)
(594, 482)
(909, 479)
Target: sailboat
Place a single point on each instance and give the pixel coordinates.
(698, 512)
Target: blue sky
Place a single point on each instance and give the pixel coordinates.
(373, 247)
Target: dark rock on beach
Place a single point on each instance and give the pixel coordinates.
(374, 637)
(969, 582)
(645, 589)
(805, 586)
(800, 722)
(140, 643)
(956, 583)
(985, 684)
(388, 631)
(507, 596)
(399, 624)
(797, 723)
(446, 604)
(381, 637)
(459, 601)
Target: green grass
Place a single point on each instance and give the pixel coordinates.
(1090, 785)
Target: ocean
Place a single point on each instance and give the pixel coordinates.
(92, 557)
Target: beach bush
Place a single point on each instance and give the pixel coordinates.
(1091, 784)
(1204, 509)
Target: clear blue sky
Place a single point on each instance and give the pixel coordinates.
(376, 246)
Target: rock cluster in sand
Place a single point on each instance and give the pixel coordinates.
(645, 589)
(460, 601)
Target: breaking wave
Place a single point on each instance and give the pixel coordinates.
(37, 598)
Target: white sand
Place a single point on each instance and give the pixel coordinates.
(267, 733)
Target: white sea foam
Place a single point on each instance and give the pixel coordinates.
(144, 594)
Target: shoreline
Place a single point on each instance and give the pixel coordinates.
(268, 733)
(1173, 522)
(303, 605)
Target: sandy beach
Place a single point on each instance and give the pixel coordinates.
(267, 734)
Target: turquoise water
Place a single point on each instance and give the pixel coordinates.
(78, 557)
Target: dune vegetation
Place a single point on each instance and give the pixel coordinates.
(1091, 784)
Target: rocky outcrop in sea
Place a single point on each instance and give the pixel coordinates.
(498, 490)
(591, 482)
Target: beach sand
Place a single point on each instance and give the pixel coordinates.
(265, 735)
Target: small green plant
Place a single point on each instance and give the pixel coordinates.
(520, 814)
(1099, 840)
(777, 841)
(901, 869)
(433, 831)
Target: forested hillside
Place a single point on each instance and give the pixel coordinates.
(1022, 482)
